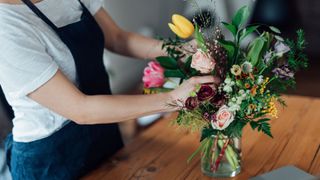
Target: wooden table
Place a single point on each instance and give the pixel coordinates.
(161, 151)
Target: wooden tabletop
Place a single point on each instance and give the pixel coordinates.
(161, 151)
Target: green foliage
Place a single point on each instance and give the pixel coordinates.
(241, 17)
(168, 62)
(262, 125)
(203, 145)
(232, 28)
(207, 132)
(297, 59)
(246, 31)
(235, 128)
(174, 73)
(275, 30)
(188, 69)
(229, 47)
(172, 47)
(191, 120)
(255, 52)
(200, 39)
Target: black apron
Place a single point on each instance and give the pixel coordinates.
(75, 149)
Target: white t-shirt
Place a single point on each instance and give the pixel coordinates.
(30, 54)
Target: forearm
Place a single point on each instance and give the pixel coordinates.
(102, 109)
(138, 46)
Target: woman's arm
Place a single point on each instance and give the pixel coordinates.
(62, 97)
(127, 43)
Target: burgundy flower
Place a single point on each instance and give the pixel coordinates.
(218, 100)
(205, 92)
(191, 103)
(206, 116)
(213, 117)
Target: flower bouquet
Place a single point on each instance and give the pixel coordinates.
(253, 76)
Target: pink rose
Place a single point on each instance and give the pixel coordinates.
(153, 75)
(223, 118)
(203, 62)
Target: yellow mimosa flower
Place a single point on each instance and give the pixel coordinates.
(181, 26)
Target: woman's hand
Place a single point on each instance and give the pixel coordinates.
(184, 90)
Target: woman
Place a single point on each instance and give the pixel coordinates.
(52, 74)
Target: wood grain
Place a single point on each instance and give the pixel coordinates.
(161, 151)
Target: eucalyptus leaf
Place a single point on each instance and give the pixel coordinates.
(232, 28)
(241, 16)
(279, 38)
(274, 29)
(168, 62)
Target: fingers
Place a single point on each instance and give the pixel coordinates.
(205, 80)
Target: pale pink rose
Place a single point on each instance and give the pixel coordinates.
(223, 118)
(153, 75)
(203, 62)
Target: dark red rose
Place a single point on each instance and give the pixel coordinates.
(218, 100)
(191, 103)
(205, 92)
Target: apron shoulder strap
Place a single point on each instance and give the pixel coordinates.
(40, 14)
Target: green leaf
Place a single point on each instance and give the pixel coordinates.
(200, 148)
(279, 38)
(207, 132)
(259, 115)
(255, 51)
(228, 46)
(274, 29)
(187, 65)
(263, 120)
(167, 62)
(174, 73)
(246, 31)
(200, 39)
(241, 16)
(232, 28)
(254, 125)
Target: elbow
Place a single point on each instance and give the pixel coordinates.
(81, 114)
(114, 43)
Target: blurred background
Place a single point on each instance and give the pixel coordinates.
(150, 18)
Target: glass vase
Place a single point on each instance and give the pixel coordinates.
(221, 157)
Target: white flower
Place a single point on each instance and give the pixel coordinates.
(227, 89)
(241, 91)
(224, 118)
(236, 70)
(267, 57)
(247, 67)
(281, 48)
(239, 101)
(227, 81)
(172, 83)
(260, 80)
(234, 108)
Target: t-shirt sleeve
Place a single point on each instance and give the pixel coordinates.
(93, 5)
(24, 64)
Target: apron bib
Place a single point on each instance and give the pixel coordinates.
(75, 149)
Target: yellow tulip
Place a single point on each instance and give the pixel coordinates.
(181, 26)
